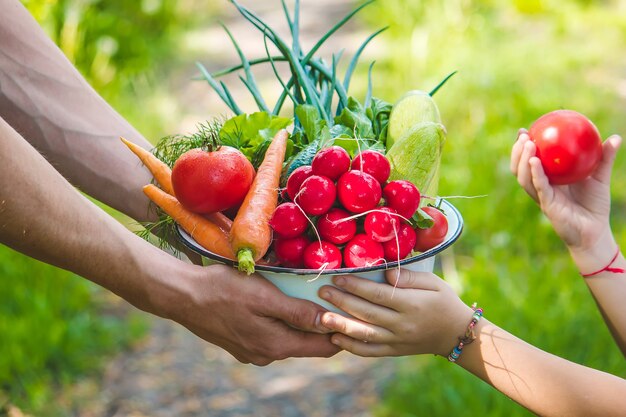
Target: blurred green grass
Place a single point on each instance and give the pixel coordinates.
(515, 61)
(54, 327)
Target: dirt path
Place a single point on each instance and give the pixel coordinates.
(174, 373)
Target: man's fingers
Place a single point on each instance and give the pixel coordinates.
(301, 314)
(404, 278)
(609, 150)
(361, 348)
(299, 344)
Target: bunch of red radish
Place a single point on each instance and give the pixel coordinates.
(332, 216)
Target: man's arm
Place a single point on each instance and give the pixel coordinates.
(43, 216)
(45, 98)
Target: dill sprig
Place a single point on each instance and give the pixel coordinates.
(162, 231)
(207, 137)
(169, 149)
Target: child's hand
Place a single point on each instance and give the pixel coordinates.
(578, 212)
(421, 315)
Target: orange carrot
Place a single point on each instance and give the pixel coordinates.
(220, 221)
(159, 169)
(163, 176)
(251, 235)
(207, 234)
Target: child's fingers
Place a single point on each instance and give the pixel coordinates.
(516, 152)
(609, 150)
(361, 306)
(411, 279)
(374, 292)
(545, 192)
(356, 329)
(361, 348)
(524, 177)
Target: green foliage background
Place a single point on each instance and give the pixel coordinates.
(516, 61)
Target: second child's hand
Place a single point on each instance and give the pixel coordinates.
(579, 212)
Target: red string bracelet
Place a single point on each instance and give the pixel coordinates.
(607, 268)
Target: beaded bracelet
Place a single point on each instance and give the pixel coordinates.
(469, 335)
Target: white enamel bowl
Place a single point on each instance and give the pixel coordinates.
(305, 283)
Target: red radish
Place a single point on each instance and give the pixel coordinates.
(288, 220)
(363, 251)
(405, 243)
(358, 191)
(331, 162)
(374, 163)
(296, 179)
(317, 195)
(322, 255)
(208, 182)
(381, 225)
(403, 196)
(334, 231)
(434, 235)
(290, 252)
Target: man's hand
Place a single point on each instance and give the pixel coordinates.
(246, 315)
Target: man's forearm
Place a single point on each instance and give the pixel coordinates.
(48, 102)
(43, 216)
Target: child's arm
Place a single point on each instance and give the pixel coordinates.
(579, 214)
(424, 315)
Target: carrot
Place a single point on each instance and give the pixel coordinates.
(220, 221)
(163, 176)
(207, 234)
(251, 235)
(159, 169)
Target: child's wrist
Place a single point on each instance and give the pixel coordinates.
(596, 257)
(464, 323)
(459, 317)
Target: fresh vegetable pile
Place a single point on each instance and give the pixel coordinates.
(342, 183)
(333, 216)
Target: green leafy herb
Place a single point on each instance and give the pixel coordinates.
(354, 117)
(252, 133)
(422, 219)
(164, 228)
(378, 112)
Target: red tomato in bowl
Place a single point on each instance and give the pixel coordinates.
(207, 182)
(568, 145)
(429, 238)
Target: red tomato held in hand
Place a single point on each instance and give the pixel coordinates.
(207, 182)
(568, 145)
(429, 238)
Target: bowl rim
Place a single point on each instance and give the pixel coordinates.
(188, 241)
